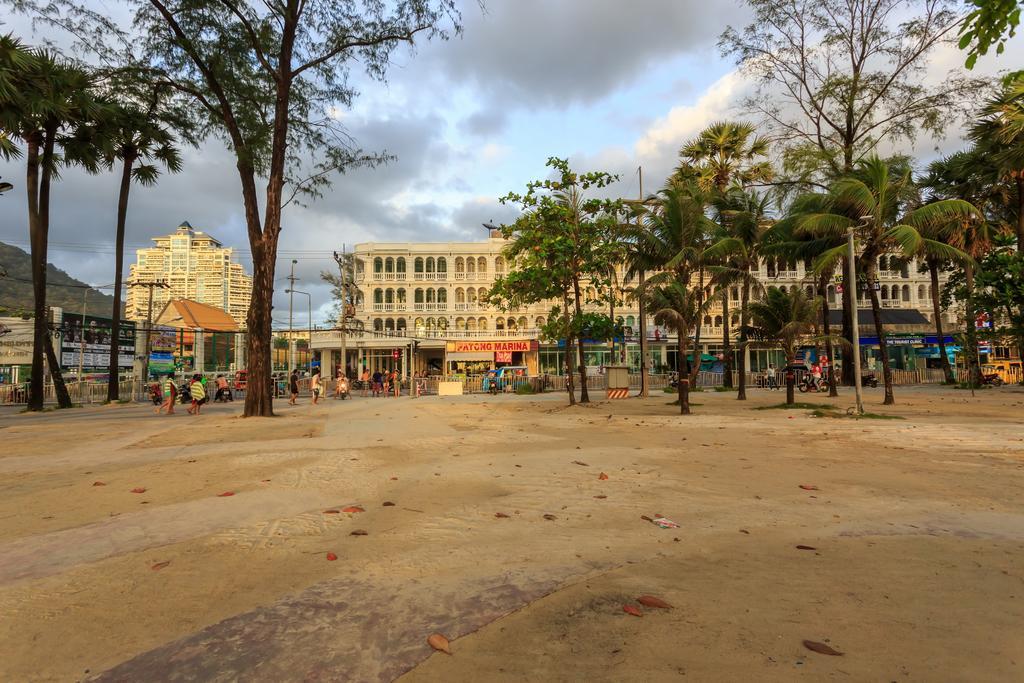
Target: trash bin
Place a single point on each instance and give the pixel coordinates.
(617, 381)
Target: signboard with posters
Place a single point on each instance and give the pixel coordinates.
(502, 356)
(163, 342)
(92, 342)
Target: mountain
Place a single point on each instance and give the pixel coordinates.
(16, 287)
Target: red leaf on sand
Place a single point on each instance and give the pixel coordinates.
(98, 483)
(331, 512)
(821, 648)
(394, 478)
(160, 565)
(139, 490)
(501, 515)
(602, 476)
(439, 643)
(225, 494)
(651, 601)
(630, 609)
(331, 557)
(353, 508)
(808, 487)
(601, 497)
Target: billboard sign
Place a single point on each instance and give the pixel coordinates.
(91, 342)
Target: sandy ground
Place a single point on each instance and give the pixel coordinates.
(916, 526)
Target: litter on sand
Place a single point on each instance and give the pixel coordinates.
(665, 523)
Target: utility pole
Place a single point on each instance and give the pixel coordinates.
(644, 382)
(343, 307)
(151, 285)
(81, 342)
(291, 335)
(854, 325)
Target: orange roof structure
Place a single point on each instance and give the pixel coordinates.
(190, 315)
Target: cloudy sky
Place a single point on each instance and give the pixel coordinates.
(612, 85)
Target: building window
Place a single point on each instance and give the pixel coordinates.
(481, 265)
(378, 265)
(400, 266)
(417, 265)
(442, 265)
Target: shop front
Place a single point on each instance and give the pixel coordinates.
(477, 357)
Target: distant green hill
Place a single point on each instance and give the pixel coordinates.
(16, 287)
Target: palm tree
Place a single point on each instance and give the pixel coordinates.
(999, 135)
(826, 253)
(870, 202)
(968, 176)
(42, 100)
(726, 154)
(138, 138)
(746, 216)
(670, 242)
(680, 307)
(783, 318)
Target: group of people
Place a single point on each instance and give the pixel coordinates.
(381, 383)
(197, 390)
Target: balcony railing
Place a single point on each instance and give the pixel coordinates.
(331, 337)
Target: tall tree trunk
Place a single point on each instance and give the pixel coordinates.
(259, 394)
(883, 347)
(569, 351)
(947, 370)
(59, 388)
(113, 368)
(790, 376)
(683, 374)
(584, 397)
(726, 342)
(644, 377)
(37, 246)
(826, 330)
(849, 310)
(971, 333)
(741, 395)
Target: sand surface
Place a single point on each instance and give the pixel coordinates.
(916, 530)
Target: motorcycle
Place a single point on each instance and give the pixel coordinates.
(185, 393)
(992, 379)
(869, 380)
(156, 394)
(807, 384)
(342, 390)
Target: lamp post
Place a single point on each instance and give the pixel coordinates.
(854, 314)
(309, 344)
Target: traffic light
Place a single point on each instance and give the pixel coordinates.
(394, 353)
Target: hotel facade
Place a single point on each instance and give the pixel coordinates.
(195, 266)
(421, 306)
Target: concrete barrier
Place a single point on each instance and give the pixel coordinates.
(449, 388)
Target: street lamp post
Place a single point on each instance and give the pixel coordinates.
(309, 344)
(854, 323)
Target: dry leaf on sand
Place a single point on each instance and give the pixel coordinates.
(439, 643)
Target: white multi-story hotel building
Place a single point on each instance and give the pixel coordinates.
(422, 305)
(195, 266)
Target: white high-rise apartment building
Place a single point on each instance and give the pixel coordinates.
(195, 266)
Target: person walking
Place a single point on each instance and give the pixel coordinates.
(365, 377)
(396, 382)
(314, 385)
(770, 377)
(377, 383)
(293, 386)
(170, 392)
(198, 392)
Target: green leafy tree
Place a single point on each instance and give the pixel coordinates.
(44, 100)
(968, 176)
(1000, 292)
(990, 22)
(679, 306)
(874, 203)
(560, 244)
(267, 79)
(999, 137)
(783, 318)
